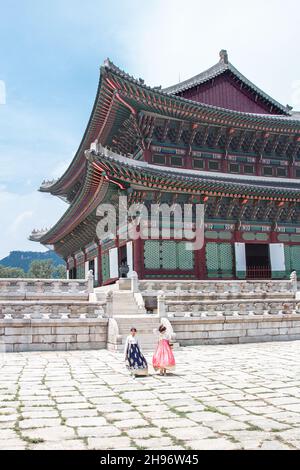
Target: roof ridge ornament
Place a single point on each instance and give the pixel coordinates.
(107, 62)
(223, 56)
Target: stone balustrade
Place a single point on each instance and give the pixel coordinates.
(27, 289)
(46, 310)
(217, 288)
(240, 308)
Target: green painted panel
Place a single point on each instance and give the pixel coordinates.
(211, 235)
(168, 254)
(80, 271)
(283, 237)
(152, 254)
(105, 266)
(295, 258)
(295, 238)
(212, 263)
(241, 274)
(287, 256)
(226, 257)
(225, 235)
(262, 236)
(278, 274)
(248, 236)
(185, 257)
(219, 259)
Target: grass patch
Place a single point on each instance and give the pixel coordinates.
(211, 409)
(35, 440)
(254, 428)
(181, 414)
(125, 400)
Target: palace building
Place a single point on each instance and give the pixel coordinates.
(215, 139)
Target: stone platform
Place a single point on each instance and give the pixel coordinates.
(70, 314)
(220, 397)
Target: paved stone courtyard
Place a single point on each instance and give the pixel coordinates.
(221, 397)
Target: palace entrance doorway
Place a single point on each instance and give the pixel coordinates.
(258, 265)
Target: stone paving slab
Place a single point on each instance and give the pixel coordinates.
(220, 397)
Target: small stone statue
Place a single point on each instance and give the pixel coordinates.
(123, 269)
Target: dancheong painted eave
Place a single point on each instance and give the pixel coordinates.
(126, 171)
(120, 96)
(105, 168)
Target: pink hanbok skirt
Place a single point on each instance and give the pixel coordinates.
(163, 357)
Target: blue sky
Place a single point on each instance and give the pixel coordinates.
(50, 53)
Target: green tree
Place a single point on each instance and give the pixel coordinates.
(59, 272)
(7, 272)
(41, 269)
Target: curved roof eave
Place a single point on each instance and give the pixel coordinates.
(61, 186)
(90, 196)
(277, 186)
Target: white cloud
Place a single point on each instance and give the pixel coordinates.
(184, 38)
(20, 214)
(16, 225)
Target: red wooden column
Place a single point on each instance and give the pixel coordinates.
(147, 155)
(138, 257)
(224, 163)
(75, 265)
(237, 236)
(200, 263)
(188, 161)
(258, 165)
(100, 280)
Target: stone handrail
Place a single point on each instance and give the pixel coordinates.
(23, 288)
(239, 308)
(45, 310)
(219, 287)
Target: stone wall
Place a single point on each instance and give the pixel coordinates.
(52, 334)
(192, 331)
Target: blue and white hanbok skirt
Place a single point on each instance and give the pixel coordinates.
(135, 361)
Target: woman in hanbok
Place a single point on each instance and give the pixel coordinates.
(135, 361)
(163, 358)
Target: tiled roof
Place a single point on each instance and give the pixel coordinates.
(256, 185)
(216, 70)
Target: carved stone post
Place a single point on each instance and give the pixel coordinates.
(90, 281)
(293, 278)
(161, 305)
(109, 304)
(134, 282)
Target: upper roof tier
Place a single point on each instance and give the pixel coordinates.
(223, 85)
(121, 101)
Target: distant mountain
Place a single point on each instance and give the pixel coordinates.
(23, 259)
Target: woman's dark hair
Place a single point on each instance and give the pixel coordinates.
(133, 329)
(162, 328)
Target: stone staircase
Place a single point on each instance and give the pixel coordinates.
(119, 328)
(124, 303)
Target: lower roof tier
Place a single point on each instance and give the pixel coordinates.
(226, 196)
